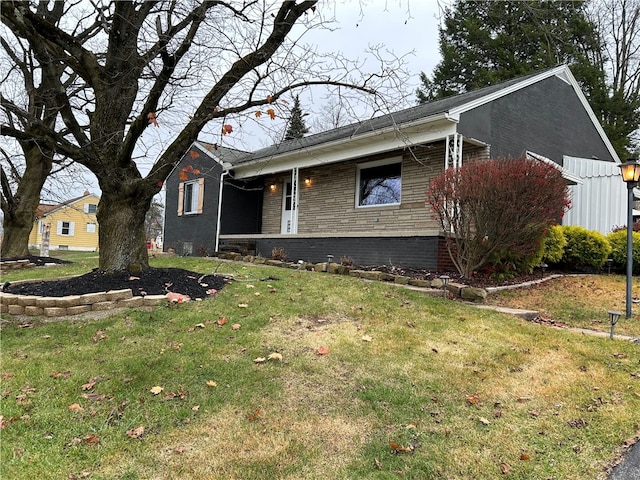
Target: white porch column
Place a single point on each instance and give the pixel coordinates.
(295, 195)
(453, 156)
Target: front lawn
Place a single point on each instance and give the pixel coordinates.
(301, 375)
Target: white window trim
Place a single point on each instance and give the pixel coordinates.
(91, 227)
(60, 226)
(377, 163)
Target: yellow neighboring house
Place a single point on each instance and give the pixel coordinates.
(71, 225)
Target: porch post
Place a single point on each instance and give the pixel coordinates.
(453, 156)
(294, 199)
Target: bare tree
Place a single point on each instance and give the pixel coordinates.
(23, 175)
(186, 66)
(618, 22)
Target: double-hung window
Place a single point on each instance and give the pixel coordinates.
(379, 183)
(191, 197)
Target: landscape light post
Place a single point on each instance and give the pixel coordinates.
(630, 174)
(445, 282)
(614, 316)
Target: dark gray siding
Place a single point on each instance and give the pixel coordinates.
(546, 118)
(193, 233)
(408, 252)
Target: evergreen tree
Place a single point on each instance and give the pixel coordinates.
(486, 42)
(297, 127)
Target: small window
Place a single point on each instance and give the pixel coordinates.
(65, 228)
(379, 183)
(191, 197)
(90, 208)
(91, 228)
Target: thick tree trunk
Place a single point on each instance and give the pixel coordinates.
(20, 208)
(122, 238)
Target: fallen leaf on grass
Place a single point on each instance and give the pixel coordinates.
(235, 326)
(180, 449)
(222, 321)
(259, 360)
(525, 456)
(254, 416)
(92, 439)
(396, 448)
(75, 407)
(505, 468)
(195, 408)
(135, 432)
(156, 390)
(65, 374)
(473, 400)
(275, 356)
(211, 383)
(243, 305)
(89, 385)
(322, 351)
(377, 463)
(366, 338)
(94, 397)
(484, 421)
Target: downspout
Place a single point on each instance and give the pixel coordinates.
(222, 175)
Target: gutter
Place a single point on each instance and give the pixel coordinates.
(226, 167)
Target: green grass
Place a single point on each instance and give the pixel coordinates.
(473, 391)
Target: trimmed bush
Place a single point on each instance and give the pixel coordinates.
(618, 242)
(585, 248)
(553, 245)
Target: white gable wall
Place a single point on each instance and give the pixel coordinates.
(600, 203)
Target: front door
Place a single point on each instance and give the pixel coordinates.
(286, 226)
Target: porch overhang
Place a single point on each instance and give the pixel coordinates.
(426, 130)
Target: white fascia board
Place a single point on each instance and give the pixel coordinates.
(426, 130)
(566, 174)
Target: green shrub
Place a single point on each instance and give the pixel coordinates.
(553, 245)
(585, 248)
(618, 242)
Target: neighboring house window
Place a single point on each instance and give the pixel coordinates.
(90, 208)
(191, 197)
(379, 183)
(65, 228)
(91, 228)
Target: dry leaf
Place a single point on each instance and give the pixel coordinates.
(135, 432)
(195, 408)
(275, 356)
(200, 325)
(505, 468)
(222, 321)
(377, 463)
(366, 338)
(484, 421)
(248, 285)
(75, 407)
(88, 386)
(473, 400)
(525, 456)
(243, 305)
(156, 390)
(92, 439)
(211, 383)
(235, 326)
(65, 374)
(259, 360)
(254, 416)
(322, 351)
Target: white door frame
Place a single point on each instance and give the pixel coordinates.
(290, 197)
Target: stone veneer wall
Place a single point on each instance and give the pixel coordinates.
(327, 205)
